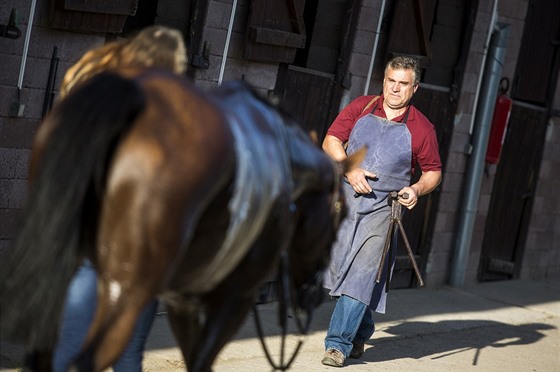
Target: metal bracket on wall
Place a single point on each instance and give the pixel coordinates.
(202, 60)
(11, 31)
(17, 108)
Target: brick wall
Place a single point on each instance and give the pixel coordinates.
(16, 132)
(261, 75)
(542, 249)
(363, 46)
(542, 257)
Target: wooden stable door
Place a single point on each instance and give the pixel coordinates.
(513, 194)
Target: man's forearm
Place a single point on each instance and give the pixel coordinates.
(334, 148)
(427, 183)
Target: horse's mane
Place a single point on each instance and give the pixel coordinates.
(303, 151)
(275, 161)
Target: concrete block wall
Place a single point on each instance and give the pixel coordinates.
(363, 46)
(444, 240)
(542, 257)
(16, 132)
(261, 75)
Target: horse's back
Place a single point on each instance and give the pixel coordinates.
(180, 138)
(174, 161)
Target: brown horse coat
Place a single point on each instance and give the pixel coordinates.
(171, 192)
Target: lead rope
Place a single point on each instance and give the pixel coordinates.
(283, 278)
(285, 298)
(284, 301)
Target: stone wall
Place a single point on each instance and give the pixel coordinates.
(542, 252)
(17, 131)
(261, 75)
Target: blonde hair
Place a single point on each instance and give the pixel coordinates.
(156, 46)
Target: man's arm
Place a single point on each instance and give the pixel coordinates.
(334, 148)
(427, 183)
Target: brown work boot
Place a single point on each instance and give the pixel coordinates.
(357, 350)
(333, 358)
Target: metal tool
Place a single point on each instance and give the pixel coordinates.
(396, 222)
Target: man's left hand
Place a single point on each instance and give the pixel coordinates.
(412, 199)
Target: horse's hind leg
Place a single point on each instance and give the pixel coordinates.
(186, 326)
(200, 342)
(112, 329)
(128, 278)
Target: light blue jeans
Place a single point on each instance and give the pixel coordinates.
(351, 321)
(78, 315)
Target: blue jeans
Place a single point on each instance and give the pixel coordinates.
(78, 314)
(351, 321)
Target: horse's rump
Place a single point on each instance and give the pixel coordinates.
(169, 191)
(50, 240)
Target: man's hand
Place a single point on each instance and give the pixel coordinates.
(358, 180)
(412, 199)
(427, 183)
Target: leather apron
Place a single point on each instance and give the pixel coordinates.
(357, 251)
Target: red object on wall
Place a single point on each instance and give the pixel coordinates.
(498, 129)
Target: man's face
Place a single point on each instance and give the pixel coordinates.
(398, 88)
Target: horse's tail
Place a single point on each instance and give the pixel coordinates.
(62, 208)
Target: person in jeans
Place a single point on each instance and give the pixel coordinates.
(399, 139)
(153, 47)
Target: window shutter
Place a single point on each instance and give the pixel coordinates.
(90, 16)
(275, 30)
(410, 29)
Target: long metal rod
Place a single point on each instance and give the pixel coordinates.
(410, 254)
(460, 254)
(26, 44)
(475, 167)
(374, 50)
(228, 37)
(491, 26)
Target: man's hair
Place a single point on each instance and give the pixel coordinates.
(156, 46)
(405, 63)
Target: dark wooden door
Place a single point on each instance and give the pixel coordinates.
(513, 193)
(308, 96)
(418, 223)
(311, 87)
(517, 173)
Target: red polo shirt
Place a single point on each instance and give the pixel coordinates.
(425, 151)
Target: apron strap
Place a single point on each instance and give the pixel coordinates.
(405, 119)
(370, 103)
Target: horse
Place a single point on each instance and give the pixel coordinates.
(172, 192)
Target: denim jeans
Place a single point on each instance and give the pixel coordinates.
(78, 314)
(351, 321)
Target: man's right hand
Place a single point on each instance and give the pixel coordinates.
(358, 180)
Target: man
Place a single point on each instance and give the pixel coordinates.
(399, 138)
